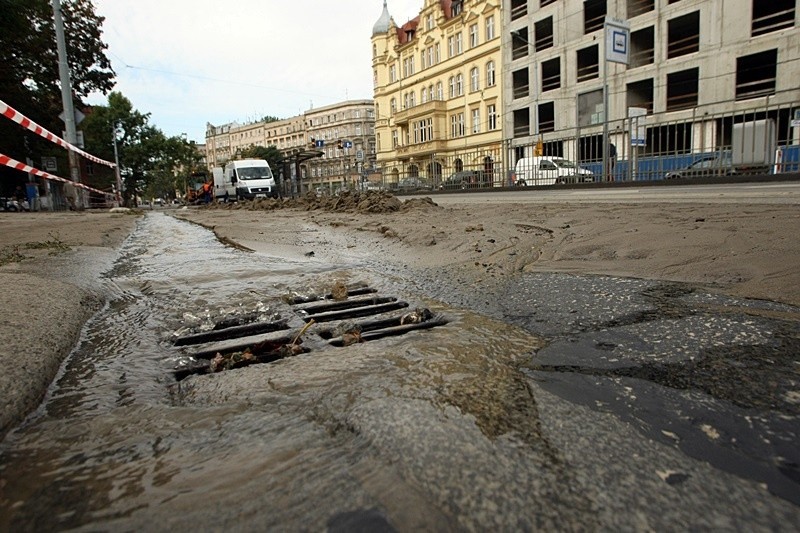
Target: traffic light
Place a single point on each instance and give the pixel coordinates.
(313, 142)
(340, 145)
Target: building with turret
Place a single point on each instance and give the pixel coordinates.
(437, 93)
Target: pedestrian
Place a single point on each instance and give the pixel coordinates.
(207, 192)
(612, 161)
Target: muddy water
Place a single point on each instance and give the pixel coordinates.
(374, 435)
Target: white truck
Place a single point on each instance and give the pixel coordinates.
(244, 179)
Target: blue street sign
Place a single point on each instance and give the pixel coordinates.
(319, 143)
(347, 144)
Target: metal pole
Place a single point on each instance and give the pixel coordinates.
(605, 103)
(116, 167)
(66, 99)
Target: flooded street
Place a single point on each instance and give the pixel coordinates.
(558, 402)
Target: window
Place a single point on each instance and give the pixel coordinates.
(519, 8)
(490, 74)
(547, 117)
(551, 74)
(393, 106)
(543, 32)
(439, 91)
(476, 120)
(473, 35)
(588, 63)
(522, 122)
(491, 113)
(457, 125)
(594, 15)
(394, 139)
(393, 73)
(772, 15)
(451, 82)
(637, 7)
(683, 35)
(590, 108)
(459, 43)
(474, 79)
(431, 94)
(423, 131)
(422, 62)
(459, 84)
(642, 47)
(456, 7)
(756, 74)
(520, 84)
(423, 96)
(640, 94)
(682, 89)
(412, 99)
(451, 46)
(490, 27)
(429, 22)
(519, 43)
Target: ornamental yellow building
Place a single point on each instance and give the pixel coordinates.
(437, 93)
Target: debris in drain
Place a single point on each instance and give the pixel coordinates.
(416, 316)
(351, 309)
(348, 333)
(339, 291)
(351, 290)
(266, 351)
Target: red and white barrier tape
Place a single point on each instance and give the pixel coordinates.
(13, 163)
(25, 122)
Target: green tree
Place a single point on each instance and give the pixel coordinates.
(151, 164)
(270, 153)
(29, 78)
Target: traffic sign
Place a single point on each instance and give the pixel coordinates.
(319, 143)
(347, 144)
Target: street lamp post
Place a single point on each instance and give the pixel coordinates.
(115, 131)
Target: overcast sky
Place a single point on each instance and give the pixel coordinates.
(188, 62)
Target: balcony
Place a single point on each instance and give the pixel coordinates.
(430, 108)
(421, 149)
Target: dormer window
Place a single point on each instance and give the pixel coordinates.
(457, 7)
(409, 35)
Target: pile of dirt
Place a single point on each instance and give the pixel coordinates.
(345, 202)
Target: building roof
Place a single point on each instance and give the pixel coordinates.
(383, 23)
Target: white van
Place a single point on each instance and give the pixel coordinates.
(549, 170)
(245, 179)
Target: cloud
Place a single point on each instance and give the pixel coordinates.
(192, 62)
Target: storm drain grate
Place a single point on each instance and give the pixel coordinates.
(238, 342)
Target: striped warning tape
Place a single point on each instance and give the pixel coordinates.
(11, 113)
(13, 163)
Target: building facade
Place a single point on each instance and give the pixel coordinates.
(324, 163)
(696, 69)
(345, 134)
(437, 91)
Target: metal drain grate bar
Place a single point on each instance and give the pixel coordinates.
(231, 332)
(345, 304)
(392, 331)
(356, 312)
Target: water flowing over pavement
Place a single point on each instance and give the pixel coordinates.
(557, 402)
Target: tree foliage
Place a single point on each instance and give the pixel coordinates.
(151, 164)
(29, 77)
(270, 153)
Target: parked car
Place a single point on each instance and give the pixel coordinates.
(466, 179)
(412, 183)
(549, 170)
(712, 165)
